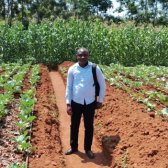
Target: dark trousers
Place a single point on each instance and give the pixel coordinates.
(88, 112)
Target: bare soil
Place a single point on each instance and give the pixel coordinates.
(142, 138)
(45, 132)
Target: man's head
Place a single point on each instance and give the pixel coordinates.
(82, 56)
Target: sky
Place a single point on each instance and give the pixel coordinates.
(111, 11)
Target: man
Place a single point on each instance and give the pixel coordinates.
(81, 99)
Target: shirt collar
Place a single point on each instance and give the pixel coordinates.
(89, 64)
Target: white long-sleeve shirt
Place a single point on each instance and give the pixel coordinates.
(80, 84)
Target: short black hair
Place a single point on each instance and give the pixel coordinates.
(82, 50)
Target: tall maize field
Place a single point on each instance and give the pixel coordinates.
(52, 43)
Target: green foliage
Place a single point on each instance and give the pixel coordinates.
(17, 165)
(53, 43)
(22, 142)
(163, 112)
(146, 11)
(39, 10)
(26, 105)
(146, 84)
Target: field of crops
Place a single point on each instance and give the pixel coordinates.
(21, 97)
(131, 128)
(53, 43)
(146, 84)
(16, 106)
(135, 112)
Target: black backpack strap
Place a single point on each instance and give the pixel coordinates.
(94, 73)
(96, 84)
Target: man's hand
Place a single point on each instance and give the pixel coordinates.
(98, 105)
(69, 109)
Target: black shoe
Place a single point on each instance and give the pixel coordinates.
(70, 151)
(90, 154)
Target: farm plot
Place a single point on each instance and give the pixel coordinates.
(19, 100)
(131, 132)
(146, 84)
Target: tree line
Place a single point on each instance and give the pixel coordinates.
(140, 11)
(146, 11)
(24, 10)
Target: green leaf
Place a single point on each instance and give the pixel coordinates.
(164, 112)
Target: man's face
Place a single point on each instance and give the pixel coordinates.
(82, 57)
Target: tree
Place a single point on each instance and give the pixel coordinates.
(51, 9)
(2, 9)
(86, 8)
(145, 11)
(100, 6)
(47, 9)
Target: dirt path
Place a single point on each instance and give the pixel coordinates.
(79, 159)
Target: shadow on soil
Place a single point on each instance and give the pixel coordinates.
(2, 123)
(105, 157)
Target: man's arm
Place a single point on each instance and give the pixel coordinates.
(69, 88)
(102, 84)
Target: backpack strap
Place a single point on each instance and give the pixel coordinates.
(94, 73)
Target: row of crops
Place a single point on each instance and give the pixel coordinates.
(16, 112)
(146, 84)
(53, 43)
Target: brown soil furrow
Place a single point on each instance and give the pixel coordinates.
(45, 132)
(79, 159)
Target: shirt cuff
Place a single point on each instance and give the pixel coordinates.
(68, 101)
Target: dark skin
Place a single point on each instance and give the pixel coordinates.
(82, 57)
